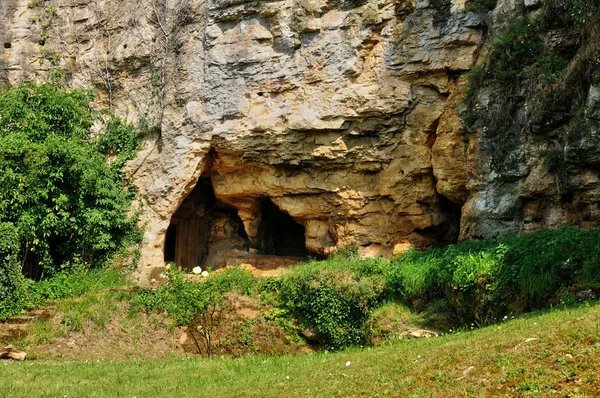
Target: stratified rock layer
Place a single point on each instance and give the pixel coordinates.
(344, 113)
(330, 109)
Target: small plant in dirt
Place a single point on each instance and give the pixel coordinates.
(199, 306)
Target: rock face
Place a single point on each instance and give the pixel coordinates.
(319, 123)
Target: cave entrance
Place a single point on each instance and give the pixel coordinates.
(171, 243)
(199, 225)
(448, 231)
(279, 234)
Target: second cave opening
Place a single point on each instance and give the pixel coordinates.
(279, 234)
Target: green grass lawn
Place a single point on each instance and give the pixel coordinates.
(555, 353)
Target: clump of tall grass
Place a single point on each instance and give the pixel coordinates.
(482, 280)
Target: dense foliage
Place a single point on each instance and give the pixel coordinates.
(335, 298)
(56, 185)
(12, 282)
(63, 199)
(484, 280)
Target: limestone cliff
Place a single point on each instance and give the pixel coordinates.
(341, 115)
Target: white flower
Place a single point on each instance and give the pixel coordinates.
(197, 270)
(205, 274)
(348, 363)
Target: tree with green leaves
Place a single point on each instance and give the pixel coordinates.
(61, 186)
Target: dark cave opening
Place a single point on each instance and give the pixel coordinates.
(171, 243)
(448, 231)
(279, 234)
(201, 223)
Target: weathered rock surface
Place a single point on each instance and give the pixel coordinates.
(345, 114)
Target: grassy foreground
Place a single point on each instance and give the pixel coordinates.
(542, 354)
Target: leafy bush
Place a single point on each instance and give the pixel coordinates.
(13, 287)
(544, 262)
(118, 141)
(483, 280)
(56, 186)
(335, 297)
(516, 48)
(416, 275)
(184, 299)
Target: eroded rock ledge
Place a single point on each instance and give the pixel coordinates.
(334, 113)
(324, 122)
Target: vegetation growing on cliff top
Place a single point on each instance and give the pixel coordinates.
(63, 202)
(534, 84)
(480, 5)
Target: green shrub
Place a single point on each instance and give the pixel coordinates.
(518, 47)
(474, 290)
(119, 141)
(184, 300)
(335, 297)
(13, 287)
(56, 186)
(543, 263)
(197, 305)
(484, 280)
(416, 275)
